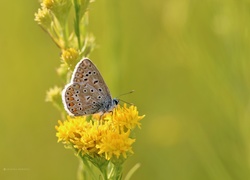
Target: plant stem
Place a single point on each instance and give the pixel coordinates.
(77, 23)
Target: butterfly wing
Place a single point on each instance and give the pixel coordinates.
(87, 92)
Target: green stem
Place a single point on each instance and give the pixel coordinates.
(88, 170)
(115, 171)
(65, 35)
(104, 173)
(77, 23)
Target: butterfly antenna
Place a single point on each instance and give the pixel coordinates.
(126, 102)
(126, 93)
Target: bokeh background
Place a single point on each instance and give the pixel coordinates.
(188, 61)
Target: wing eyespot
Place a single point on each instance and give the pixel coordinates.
(71, 104)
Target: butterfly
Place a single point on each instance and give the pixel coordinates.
(87, 92)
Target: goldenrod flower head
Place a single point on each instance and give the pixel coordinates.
(47, 4)
(127, 117)
(43, 18)
(124, 117)
(71, 129)
(100, 137)
(56, 4)
(115, 143)
(60, 8)
(70, 57)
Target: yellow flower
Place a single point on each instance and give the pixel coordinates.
(70, 56)
(124, 117)
(47, 4)
(115, 144)
(43, 18)
(103, 137)
(60, 8)
(90, 137)
(127, 117)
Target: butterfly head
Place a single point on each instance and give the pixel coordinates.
(115, 101)
(112, 105)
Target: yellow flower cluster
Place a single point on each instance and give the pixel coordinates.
(107, 135)
(43, 17)
(70, 57)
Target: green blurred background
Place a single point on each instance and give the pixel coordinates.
(188, 61)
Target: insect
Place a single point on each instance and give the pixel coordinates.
(87, 93)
